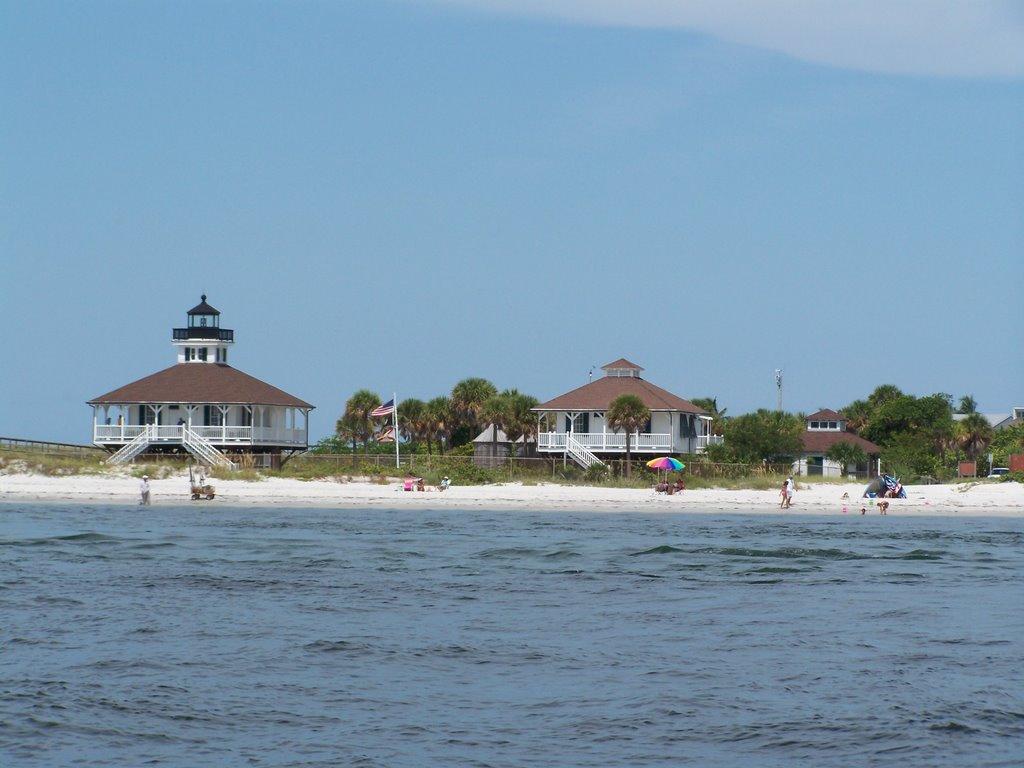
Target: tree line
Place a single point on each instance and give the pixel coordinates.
(918, 436)
(443, 423)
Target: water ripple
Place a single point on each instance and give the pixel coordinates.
(315, 637)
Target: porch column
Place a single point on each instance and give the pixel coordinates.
(223, 423)
(604, 430)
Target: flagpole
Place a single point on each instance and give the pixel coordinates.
(394, 423)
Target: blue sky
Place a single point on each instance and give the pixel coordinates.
(399, 195)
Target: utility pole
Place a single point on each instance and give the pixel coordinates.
(778, 389)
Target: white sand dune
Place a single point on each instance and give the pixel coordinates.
(977, 499)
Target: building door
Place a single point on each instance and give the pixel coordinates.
(815, 465)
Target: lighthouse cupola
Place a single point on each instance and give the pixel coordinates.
(203, 340)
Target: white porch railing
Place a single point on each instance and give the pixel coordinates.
(220, 435)
(278, 435)
(580, 453)
(611, 442)
(703, 441)
(203, 449)
(606, 442)
(225, 434)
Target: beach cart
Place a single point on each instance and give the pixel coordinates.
(200, 487)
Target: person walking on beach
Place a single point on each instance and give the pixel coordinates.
(787, 489)
(782, 494)
(144, 491)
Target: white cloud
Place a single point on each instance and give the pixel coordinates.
(965, 38)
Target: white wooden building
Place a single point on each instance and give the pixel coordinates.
(824, 429)
(575, 426)
(200, 404)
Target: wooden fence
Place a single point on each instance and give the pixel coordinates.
(20, 445)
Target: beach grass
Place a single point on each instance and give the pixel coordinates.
(50, 464)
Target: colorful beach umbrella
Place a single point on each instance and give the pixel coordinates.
(666, 463)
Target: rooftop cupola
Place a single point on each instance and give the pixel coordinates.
(826, 420)
(202, 314)
(622, 367)
(203, 340)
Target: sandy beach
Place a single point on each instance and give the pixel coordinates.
(978, 499)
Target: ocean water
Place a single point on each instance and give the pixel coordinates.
(219, 636)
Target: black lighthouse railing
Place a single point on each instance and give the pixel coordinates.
(203, 332)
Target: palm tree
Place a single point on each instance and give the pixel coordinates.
(357, 414)
(845, 453)
(346, 432)
(439, 421)
(497, 411)
(857, 415)
(710, 404)
(975, 434)
(410, 418)
(967, 405)
(628, 413)
(468, 397)
(521, 422)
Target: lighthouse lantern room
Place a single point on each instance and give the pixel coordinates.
(200, 405)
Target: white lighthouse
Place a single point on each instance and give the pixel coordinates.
(200, 404)
(203, 340)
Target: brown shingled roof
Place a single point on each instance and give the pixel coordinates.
(826, 414)
(621, 363)
(598, 396)
(820, 442)
(200, 383)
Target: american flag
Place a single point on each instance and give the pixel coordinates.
(384, 410)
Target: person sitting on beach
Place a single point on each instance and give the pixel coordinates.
(408, 483)
(679, 486)
(419, 484)
(661, 487)
(445, 482)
